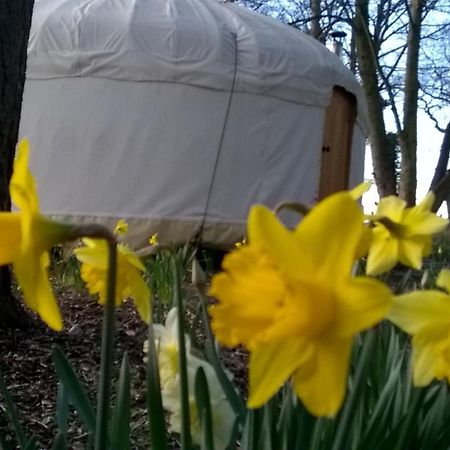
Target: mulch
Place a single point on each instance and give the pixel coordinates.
(28, 370)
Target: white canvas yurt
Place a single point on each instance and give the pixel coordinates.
(178, 115)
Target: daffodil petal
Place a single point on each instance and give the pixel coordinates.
(421, 310)
(31, 273)
(364, 243)
(443, 279)
(360, 190)
(22, 186)
(248, 294)
(141, 296)
(10, 236)
(266, 231)
(321, 384)
(271, 365)
(391, 207)
(362, 303)
(131, 257)
(330, 235)
(423, 223)
(410, 252)
(423, 360)
(427, 203)
(383, 252)
(95, 253)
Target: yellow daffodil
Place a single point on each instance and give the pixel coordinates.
(25, 238)
(358, 191)
(166, 340)
(153, 240)
(129, 282)
(121, 227)
(240, 243)
(426, 316)
(402, 234)
(290, 299)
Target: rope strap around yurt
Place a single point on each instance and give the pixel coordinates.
(197, 240)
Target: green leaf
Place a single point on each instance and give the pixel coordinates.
(61, 418)
(62, 408)
(303, 427)
(234, 435)
(75, 390)
(3, 444)
(31, 444)
(251, 435)
(186, 441)
(270, 410)
(345, 418)
(408, 429)
(120, 428)
(236, 401)
(379, 417)
(60, 442)
(12, 414)
(204, 410)
(286, 426)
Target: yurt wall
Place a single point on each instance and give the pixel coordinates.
(178, 115)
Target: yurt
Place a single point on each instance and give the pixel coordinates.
(178, 115)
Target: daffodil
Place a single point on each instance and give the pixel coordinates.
(129, 282)
(290, 299)
(240, 243)
(426, 316)
(358, 191)
(166, 340)
(153, 240)
(121, 227)
(402, 234)
(25, 238)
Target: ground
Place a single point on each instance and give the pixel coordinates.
(28, 369)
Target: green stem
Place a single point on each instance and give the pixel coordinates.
(107, 350)
(185, 420)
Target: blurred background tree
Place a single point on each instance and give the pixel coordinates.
(15, 23)
(399, 50)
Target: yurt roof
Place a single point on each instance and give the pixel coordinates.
(206, 43)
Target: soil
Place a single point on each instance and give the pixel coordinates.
(27, 367)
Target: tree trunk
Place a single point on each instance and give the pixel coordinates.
(382, 157)
(15, 23)
(444, 154)
(408, 138)
(316, 30)
(440, 184)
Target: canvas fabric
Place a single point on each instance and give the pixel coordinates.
(176, 114)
